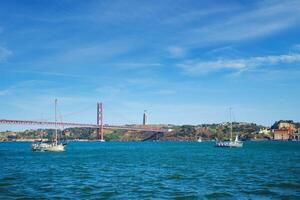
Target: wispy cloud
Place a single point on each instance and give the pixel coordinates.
(163, 92)
(21, 87)
(182, 18)
(40, 88)
(4, 92)
(296, 47)
(45, 73)
(176, 51)
(266, 18)
(194, 67)
(4, 53)
(135, 65)
(96, 51)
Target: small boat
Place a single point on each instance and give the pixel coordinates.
(230, 143)
(235, 143)
(54, 146)
(199, 139)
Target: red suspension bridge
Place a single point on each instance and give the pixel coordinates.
(100, 126)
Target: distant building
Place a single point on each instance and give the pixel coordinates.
(283, 129)
(282, 134)
(145, 118)
(296, 136)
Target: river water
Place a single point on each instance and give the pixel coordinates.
(151, 170)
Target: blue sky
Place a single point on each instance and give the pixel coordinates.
(186, 62)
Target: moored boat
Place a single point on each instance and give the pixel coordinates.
(230, 143)
(48, 147)
(235, 143)
(54, 146)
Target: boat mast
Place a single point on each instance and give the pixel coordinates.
(56, 121)
(230, 123)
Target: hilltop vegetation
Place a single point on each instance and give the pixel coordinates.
(246, 131)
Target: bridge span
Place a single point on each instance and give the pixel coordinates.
(70, 124)
(100, 126)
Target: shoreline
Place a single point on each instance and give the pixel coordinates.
(83, 140)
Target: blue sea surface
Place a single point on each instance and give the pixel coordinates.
(151, 170)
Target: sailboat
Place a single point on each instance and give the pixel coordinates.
(53, 146)
(199, 139)
(230, 143)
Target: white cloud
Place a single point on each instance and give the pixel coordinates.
(194, 67)
(4, 53)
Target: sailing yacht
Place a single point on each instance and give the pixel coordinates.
(230, 143)
(54, 146)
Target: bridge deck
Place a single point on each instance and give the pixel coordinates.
(68, 124)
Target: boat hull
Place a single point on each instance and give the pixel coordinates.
(48, 147)
(229, 144)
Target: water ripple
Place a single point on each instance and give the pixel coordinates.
(170, 170)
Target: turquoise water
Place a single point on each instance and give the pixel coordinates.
(151, 170)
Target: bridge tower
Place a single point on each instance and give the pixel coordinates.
(100, 132)
(145, 118)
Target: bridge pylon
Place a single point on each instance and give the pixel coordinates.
(100, 130)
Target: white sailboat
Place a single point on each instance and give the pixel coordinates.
(199, 139)
(54, 146)
(230, 143)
